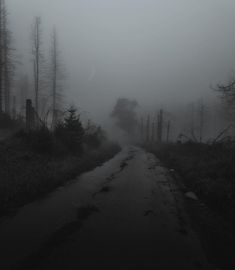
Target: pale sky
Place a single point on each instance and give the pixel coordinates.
(154, 51)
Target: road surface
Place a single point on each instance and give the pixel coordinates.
(126, 214)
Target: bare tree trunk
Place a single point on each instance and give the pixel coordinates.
(192, 123)
(160, 126)
(23, 90)
(1, 59)
(7, 65)
(153, 133)
(14, 108)
(54, 77)
(142, 129)
(201, 116)
(168, 131)
(6, 60)
(37, 59)
(147, 129)
(29, 116)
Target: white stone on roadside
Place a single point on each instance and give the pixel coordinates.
(191, 195)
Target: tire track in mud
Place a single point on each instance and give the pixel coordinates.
(106, 186)
(60, 236)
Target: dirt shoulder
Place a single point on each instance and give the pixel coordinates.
(208, 172)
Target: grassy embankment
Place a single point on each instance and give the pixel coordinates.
(208, 171)
(32, 165)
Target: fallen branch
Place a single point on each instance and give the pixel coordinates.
(221, 134)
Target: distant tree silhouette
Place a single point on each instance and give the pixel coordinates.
(148, 129)
(160, 126)
(125, 113)
(168, 131)
(37, 58)
(94, 135)
(201, 112)
(227, 92)
(56, 75)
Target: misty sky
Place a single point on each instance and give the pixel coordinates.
(154, 51)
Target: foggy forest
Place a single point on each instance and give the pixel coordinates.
(117, 135)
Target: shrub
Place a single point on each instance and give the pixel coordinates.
(6, 122)
(70, 131)
(40, 140)
(94, 136)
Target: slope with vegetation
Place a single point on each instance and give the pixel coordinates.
(36, 162)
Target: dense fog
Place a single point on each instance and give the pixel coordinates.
(117, 135)
(159, 53)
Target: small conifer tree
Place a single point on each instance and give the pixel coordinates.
(71, 131)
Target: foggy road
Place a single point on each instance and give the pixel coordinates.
(128, 213)
(87, 88)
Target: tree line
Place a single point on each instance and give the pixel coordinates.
(202, 121)
(48, 74)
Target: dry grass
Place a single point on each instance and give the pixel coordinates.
(208, 170)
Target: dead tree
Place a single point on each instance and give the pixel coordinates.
(142, 129)
(56, 75)
(153, 133)
(227, 94)
(1, 56)
(160, 126)
(201, 120)
(148, 129)
(6, 60)
(221, 134)
(37, 58)
(192, 123)
(29, 116)
(14, 107)
(168, 131)
(23, 89)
